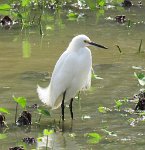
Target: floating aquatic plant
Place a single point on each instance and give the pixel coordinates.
(102, 109)
(118, 104)
(93, 137)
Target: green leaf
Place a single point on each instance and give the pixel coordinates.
(94, 135)
(43, 111)
(4, 12)
(91, 4)
(39, 139)
(21, 101)
(139, 75)
(72, 16)
(101, 3)
(118, 104)
(25, 3)
(47, 132)
(103, 109)
(4, 110)
(3, 136)
(94, 138)
(5, 7)
(101, 12)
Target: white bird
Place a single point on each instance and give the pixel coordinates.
(71, 74)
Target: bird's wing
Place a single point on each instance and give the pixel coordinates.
(60, 63)
(60, 80)
(87, 84)
(62, 76)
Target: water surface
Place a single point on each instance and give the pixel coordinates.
(26, 60)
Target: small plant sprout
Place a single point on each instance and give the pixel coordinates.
(93, 138)
(101, 3)
(46, 133)
(118, 104)
(4, 110)
(140, 77)
(19, 101)
(42, 111)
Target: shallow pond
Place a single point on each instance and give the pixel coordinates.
(26, 60)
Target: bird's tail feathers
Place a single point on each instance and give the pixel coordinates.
(44, 95)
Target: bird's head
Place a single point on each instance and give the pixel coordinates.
(81, 41)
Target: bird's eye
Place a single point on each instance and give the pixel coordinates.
(85, 41)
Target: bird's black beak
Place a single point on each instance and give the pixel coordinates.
(98, 45)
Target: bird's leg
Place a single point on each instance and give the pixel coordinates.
(70, 107)
(62, 106)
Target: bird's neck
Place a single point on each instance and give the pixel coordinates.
(73, 47)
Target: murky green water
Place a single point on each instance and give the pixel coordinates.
(26, 58)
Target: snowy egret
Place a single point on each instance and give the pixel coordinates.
(71, 74)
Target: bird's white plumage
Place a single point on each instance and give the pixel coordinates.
(72, 73)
